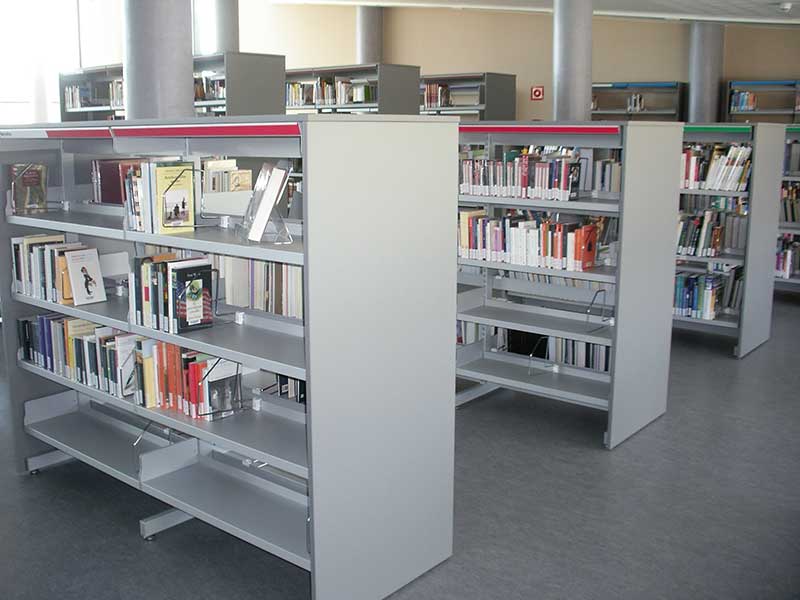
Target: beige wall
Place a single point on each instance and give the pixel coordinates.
(308, 35)
(761, 52)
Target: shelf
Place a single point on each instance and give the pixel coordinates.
(787, 227)
(99, 108)
(248, 511)
(722, 321)
(203, 103)
(794, 280)
(791, 177)
(599, 273)
(567, 388)
(728, 259)
(606, 203)
(224, 241)
(521, 320)
(79, 222)
(764, 111)
(96, 442)
(726, 193)
(467, 108)
(258, 435)
(623, 111)
(252, 346)
(113, 312)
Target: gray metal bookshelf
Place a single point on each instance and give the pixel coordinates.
(751, 326)
(252, 87)
(341, 485)
(762, 100)
(789, 227)
(486, 96)
(660, 100)
(633, 318)
(396, 88)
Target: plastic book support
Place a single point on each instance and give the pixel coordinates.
(261, 213)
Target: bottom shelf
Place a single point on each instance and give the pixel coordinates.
(723, 321)
(251, 512)
(98, 441)
(559, 386)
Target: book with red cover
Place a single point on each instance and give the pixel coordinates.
(589, 246)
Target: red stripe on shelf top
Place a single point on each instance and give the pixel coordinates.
(79, 133)
(555, 129)
(218, 130)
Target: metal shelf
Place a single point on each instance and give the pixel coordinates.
(96, 442)
(99, 108)
(250, 512)
(624, 111)
(599, 273)
(764, 111)
(605, 203)
(521, 320)
(728, 259)
(559, 386)
(704, 192)
(788, 227)
(113, 312)
(79, 222)
(722, 321)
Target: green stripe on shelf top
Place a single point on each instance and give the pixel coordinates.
(793, 129)
(717, 128)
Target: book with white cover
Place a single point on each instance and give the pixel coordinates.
(83, 267)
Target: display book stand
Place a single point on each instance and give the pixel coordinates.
(495, 95)
(752, 326)
(357, 489)
(253, 86)
(793, 283)
(397, 88)
(634, 392)
(662, 100)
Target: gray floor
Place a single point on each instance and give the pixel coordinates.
(705, 503)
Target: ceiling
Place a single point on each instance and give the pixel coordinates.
(753, 11)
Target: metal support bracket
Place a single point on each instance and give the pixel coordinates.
(34, 464)
(476, 391)
(150, 526)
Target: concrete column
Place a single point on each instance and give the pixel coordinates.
(216, 26)
(157, 59)
(572, 60)
(369, 34)
(705, 71)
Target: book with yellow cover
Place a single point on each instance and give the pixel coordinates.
(174, 198)
(75, 328)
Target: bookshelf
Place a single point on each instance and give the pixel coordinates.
(629, 320)
(250, 82)
(368, 88)
(768, 100)
(641, 100)
(750, 326)
(340, 485)
(789, 217)
(474, 96)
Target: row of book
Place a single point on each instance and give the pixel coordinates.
(692, 203)
(787, 257)
(272, 287)
(562, 351)
(355, 91)
(209, 87)
(709, 295)
(715, 167)
(743, 101)
(159, 196)
(436, 95)
(150, 373)
(790, 202)
(533, 242)
(46, 267)
(100, 94)
(711, 233)
(330, 92)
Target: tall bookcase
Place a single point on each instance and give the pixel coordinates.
(396, 87)
(765, 100)
(642, 100)
(486, 96)
(633, 317)
(788, 227)
(253, 86)
(356, 487)
(752, 325)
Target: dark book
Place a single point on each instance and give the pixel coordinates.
(28, 187)
(80, 367)
(191, 298)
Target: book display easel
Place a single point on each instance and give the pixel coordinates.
(476, 96)
(787, 253)
(642, 100)
(729, 180)
(551, 195)
(322, 476)
(230, 83)
(775, 101)
(368, 88)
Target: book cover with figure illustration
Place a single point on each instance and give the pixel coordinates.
(85, 278)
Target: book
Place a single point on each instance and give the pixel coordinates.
(28, 188)
(85, 277)
(190, 302)
(174, 197)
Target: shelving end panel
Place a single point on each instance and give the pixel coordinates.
(255, 84)
(500, 97)
(762, 230)
(398, 89)
(381, 304)
(646, 273)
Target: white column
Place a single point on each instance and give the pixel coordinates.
(369, 34)
(216, 26)
(157, 59)
(705, 71)
(572, 60)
